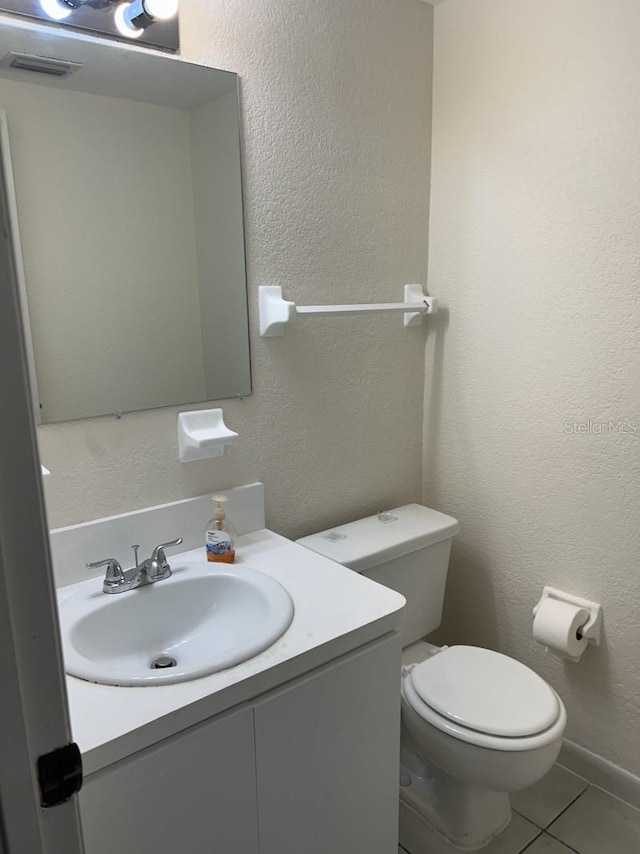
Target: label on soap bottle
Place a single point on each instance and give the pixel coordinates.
(218, 543)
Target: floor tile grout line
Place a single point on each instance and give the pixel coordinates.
(600, 788)
(529, 844)
(530, 820)
(563, 811)
(544, 833)
(570, 804)
(557, 838)
(566, 844)
(562, 842)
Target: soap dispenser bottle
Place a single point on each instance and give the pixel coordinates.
(220, 536)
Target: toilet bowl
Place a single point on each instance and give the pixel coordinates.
(476, 724)
(480, 725)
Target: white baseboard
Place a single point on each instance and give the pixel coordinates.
(600, 772)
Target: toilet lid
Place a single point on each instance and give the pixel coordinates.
(485, 691)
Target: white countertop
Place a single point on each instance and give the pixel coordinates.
(336, 610)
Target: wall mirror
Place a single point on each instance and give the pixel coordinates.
(122, 177)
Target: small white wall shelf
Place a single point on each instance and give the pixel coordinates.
(202, 434)
(276, 312)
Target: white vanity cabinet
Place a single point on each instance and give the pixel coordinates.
(327, 757)
(309, 768)
(193, 793)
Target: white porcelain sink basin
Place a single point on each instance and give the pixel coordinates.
(205, 618)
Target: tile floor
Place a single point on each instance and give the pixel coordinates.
(562, 814)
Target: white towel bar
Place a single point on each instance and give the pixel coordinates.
(276, 312)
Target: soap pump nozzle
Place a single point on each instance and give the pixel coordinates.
(220, 512)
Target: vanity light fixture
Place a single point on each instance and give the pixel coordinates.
(153, 23)
(59, 10)
(133, 18)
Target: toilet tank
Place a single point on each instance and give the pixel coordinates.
(406, 549)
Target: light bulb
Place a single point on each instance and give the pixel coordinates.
(123, 22)
(56, 9)
(132, 18)
(161, 10)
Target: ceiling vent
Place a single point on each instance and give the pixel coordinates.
(39, 64)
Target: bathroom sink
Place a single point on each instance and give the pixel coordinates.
(203, 619)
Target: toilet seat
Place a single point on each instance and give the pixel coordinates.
(485, 698)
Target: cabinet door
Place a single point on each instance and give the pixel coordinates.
(327, 757)
(192, 793)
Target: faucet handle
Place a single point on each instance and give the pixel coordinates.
(158, 555)
(113, 575)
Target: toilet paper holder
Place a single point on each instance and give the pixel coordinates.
(593, 627)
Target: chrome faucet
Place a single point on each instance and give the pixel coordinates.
(154, 568)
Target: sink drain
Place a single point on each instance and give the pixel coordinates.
(162, 662)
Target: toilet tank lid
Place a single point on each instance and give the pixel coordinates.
(368, 542)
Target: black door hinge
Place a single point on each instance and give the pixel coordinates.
(59, 775)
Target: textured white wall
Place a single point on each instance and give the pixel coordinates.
(336, 126)
(535, 247)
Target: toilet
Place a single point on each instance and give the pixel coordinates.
(476, 724)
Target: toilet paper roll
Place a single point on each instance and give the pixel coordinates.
(556, 625)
